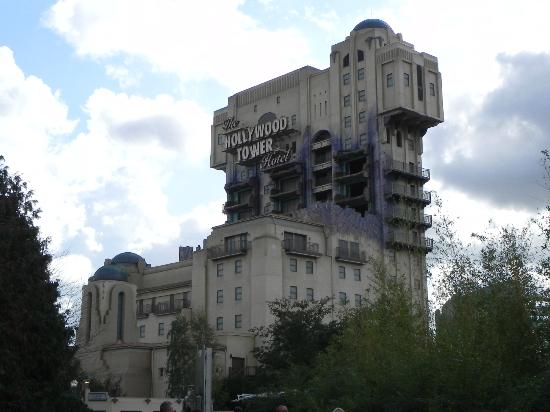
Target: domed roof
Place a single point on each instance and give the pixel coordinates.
(110, 273)
(372, 24)
(126, 257)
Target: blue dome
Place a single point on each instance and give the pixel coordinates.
(110, 273)
(126, 257)
(372, 24)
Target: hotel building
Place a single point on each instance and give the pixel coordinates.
(324, 178)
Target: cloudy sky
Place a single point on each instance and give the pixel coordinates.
(106, 105)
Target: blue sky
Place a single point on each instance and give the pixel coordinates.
(106, 105)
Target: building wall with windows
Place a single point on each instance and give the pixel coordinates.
(324, 183)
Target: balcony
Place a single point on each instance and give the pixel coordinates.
(401, 214)
(348, 178)
(406, 240)
(301, 248)
(285, 192)
(400, 190)
(350, 256)
(352, 154)
(322, 166)
(221, 252)
(164, 308)
(352, 201)
(284, 169)
(408, 170)
(239, 185)
(322, 188)
(426, 221)
(320, 144)
(246, 371)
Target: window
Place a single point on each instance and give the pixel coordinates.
(221, 139)
(420, 83)
(219, 296)
(120, 317)
(362, 117)
(255, 108)
(343, 298)
(293, 120)
(346, 78)
(162, 372)
(293, 292)
(345, 62)
(219, 323)
(238, 266)
(360, 55)
(347, 143)
(410, 144)
(293, 147)
(399, 140)
(238, 321)
(432, 89)
(142, 331)
(278, 99)
(309, 267)
(309, 294)
(389, 80)
(360, 74)
(358, 300)
(347, 101)
(406, 80)
(161, 329)
(388, 135)
(219, 269)
(412, 167)
(361, 95)
(341, 272)
(293, 265)
(363, 139)
(238, 293)
(357, 274)
(347, 121)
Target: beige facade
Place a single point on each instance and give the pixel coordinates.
(324, 177)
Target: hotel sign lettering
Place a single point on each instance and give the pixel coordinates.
(252, 142)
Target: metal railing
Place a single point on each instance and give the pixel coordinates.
(401, 189)
(218, 252)
(407, 168)
(406, 239)
(350, 255)
(301, 248)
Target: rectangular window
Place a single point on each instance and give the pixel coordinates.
(363, 139)
(293, 292)
(238, 321)
(406, 81)
(309, 294)
(347, 101)
(237, 242)
(358, 300)
(278, 99)
(219, 323)
(347, 143)
(389, 80)
(309, 267)
(293, 265)
(293, 120)
(361, 95)
(161, 372)
(362, 117)
(219, 269)
(343, 298)
(346, 78)
(142, 331)
(360, 74)
(432, 89)
(420, 83)
(161, 329)
(341, 272)
(221, 139)
(399, 140)
(219, 296)
(347, 122)
(238, 266)
(388, 135)
(357, 274)
(238, 293)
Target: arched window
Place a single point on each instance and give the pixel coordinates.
(360, 55)
(89, 317)
(346, 60)
(120, 317)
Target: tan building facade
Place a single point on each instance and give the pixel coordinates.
(324, 177)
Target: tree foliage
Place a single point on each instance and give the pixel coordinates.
(186, 339)
(37, 365)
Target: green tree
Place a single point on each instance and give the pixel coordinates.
(186, 339)
(381, 362)
(36, 367)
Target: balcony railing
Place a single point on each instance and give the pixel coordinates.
(220, 252)
(352, 256)
(402, 190)
(246, 371)
(301, 248)
(392, 166)
(163, 308)
(407, 240)
(407, 215)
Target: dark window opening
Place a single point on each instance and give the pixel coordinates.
(420, 83)
(399, 140)
(356, 166)
(323, 177)
(388, 135)
(360, 55)
(346, 60)
(322, 136)
(323, 155)
(323, 196)
(120, 317)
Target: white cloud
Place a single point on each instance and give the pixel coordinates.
(72, 269)
(123, 75)
(327, 21)
(196, 41)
